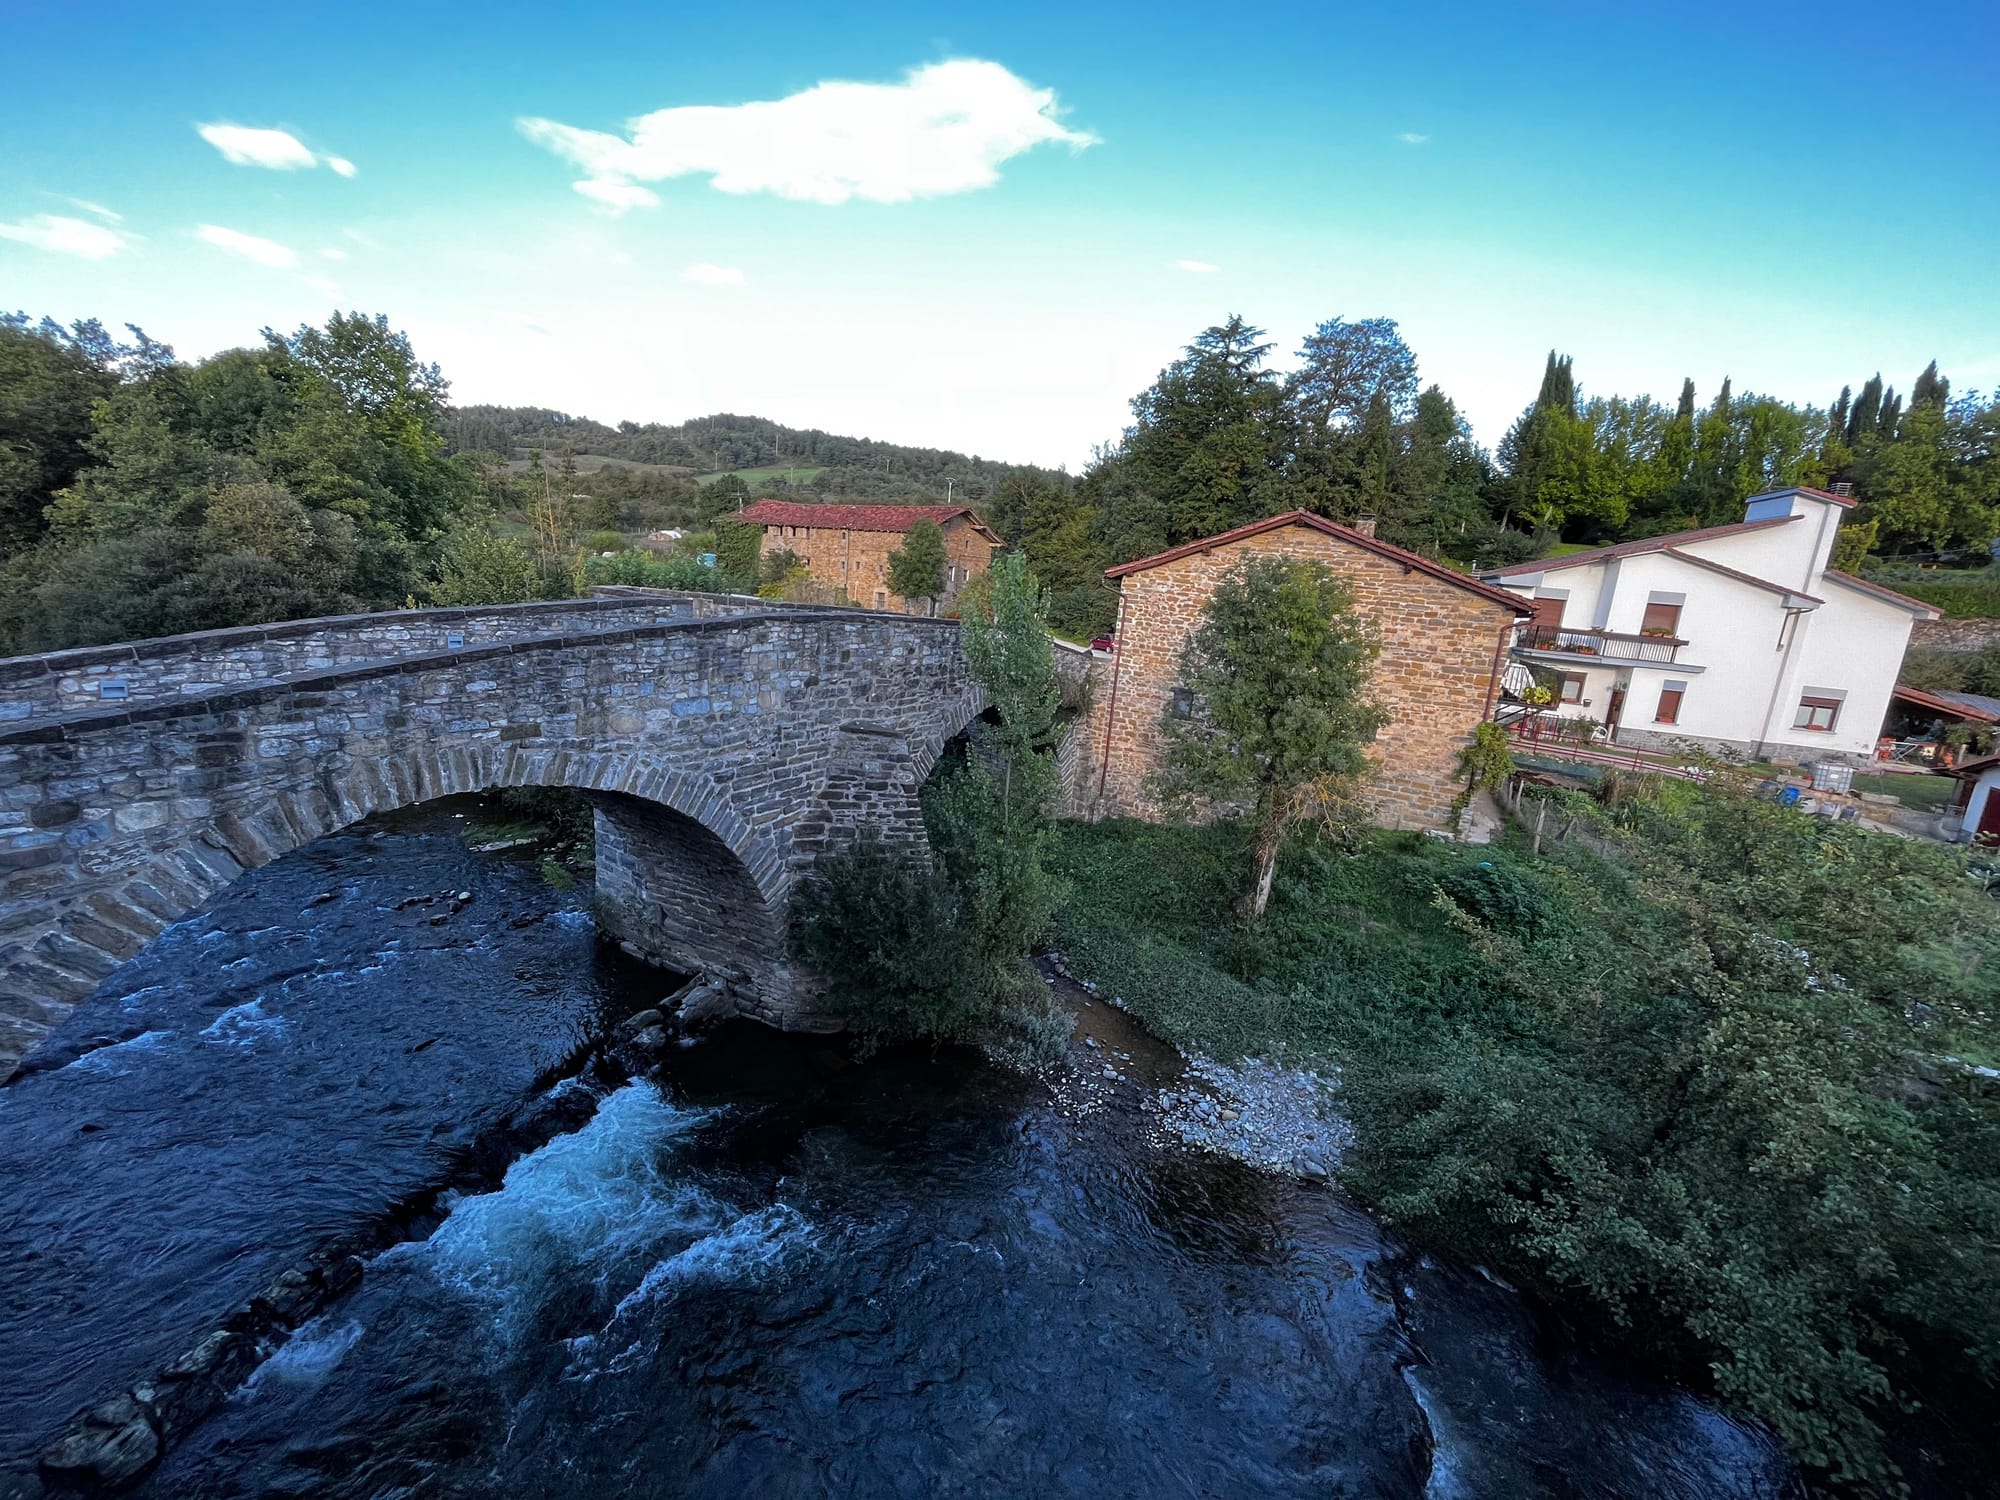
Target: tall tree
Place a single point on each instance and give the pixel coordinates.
(1207, 442)
(1278, 671)
(916, 569)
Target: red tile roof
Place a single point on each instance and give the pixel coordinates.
(1632, 549)
(1958, 705)
(1333, 529)
(851, 517)
(1890, 596)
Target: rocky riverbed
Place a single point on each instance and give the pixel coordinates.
(1262, 1113)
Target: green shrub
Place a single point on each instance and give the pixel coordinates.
(885, 932)
(637, 568)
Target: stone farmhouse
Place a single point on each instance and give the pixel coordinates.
(847, 547)
(1740, 637)
(1445, 639)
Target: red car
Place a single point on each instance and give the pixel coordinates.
(1104, 643)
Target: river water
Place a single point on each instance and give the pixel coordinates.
(760, 1269)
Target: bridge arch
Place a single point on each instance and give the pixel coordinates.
(723, 757)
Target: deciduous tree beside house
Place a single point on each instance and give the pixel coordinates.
(1274, 707)
(916, 569)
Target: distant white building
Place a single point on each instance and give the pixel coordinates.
(1737, 636)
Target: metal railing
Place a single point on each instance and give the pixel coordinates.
(1566, 640)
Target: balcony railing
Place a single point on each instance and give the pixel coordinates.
(1565, 640)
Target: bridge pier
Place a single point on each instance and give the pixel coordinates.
(672, 892)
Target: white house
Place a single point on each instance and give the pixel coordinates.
(1739, 636)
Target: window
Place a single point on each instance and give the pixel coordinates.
(1669, 711)
(1661, 619)
(1817, 713)
(1182, 706)
(1572, 687)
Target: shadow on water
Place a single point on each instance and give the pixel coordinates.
(763, 1269)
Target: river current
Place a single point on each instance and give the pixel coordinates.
(760, 1269)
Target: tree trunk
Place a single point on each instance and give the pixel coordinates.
(1270, 834)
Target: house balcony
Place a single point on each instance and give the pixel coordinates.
(1562, 643)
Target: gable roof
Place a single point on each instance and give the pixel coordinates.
(895, 518)
(1409, 560)
(1887, 596)
(1665, 543)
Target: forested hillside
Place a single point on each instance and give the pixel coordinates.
(831, 465)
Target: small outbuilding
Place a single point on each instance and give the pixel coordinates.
(1978, 804)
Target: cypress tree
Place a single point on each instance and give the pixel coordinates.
(1867, 408)
(1685, 411)
(1891, 418)
(1931, 389)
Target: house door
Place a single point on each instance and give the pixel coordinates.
(1989, 817)
(1614, 711)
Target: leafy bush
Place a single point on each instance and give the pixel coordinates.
(886, 933)
(1970, 595)
(637, 568)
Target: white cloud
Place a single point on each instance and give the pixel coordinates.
(66, 236)
(1201, 267)
(701, 273)
(109, 216)
(333, 252)
(946, 128)
(1412, 138)
(280, 150)
(250, 247)
(618, 196)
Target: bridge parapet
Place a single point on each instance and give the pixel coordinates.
(203, 661)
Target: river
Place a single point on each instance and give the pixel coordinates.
(760, 1268)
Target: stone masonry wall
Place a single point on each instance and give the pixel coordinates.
(190, 665)
(1955, 635)
(1434, 676)
(858, 561)
(119, 820)
(678, 896)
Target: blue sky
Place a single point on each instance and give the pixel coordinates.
(999, 238)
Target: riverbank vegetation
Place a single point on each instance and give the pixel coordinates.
(1705, 1068)
(935, 944)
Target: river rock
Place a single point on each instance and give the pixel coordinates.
(113, 1445)
(642, 1020)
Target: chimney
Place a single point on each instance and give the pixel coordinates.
(1364, 524)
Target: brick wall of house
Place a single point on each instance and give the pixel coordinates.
(1434, 675)
(858, 561)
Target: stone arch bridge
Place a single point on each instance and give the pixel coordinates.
(726, 744)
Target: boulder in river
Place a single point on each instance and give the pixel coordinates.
(113, 1444)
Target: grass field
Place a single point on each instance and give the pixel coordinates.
(754, 477)
(1925, 793)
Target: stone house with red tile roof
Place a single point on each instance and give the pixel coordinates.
(1445, 638)
(846, 547)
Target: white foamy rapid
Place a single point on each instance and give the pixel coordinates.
(612, 1206)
